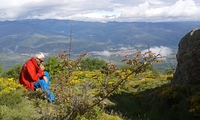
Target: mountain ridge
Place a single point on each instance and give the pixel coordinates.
(52, 35)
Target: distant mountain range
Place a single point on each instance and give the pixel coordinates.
(29, 36)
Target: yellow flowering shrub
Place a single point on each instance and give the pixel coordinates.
(78, 76)
(8, 85)
(10, 92)
(169, 77)
(195, 105)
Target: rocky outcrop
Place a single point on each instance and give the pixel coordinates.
(188, 59)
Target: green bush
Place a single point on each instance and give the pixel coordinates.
(11, 99)
(92, 64)
(13, 72)
(14, 106)
(52, 65)
(1, 69)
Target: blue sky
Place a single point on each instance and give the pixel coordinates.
(101, 10)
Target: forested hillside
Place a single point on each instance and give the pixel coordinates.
(29, 36)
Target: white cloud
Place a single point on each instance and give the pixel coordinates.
(183, 8)
(180, 10)
(164, 51)
(102, 53)
(101, 10)
(123, 48)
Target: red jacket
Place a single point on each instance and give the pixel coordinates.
(30, 73)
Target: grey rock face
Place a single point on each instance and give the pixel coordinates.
(188, 59)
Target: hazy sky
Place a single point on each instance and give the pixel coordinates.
(101, 10)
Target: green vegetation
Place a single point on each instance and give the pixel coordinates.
(1, 69)
(12, 72)
(52, 65)
(92, 89)
(166, 103)
(89, 64)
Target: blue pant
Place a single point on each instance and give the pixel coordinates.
(45, 86)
